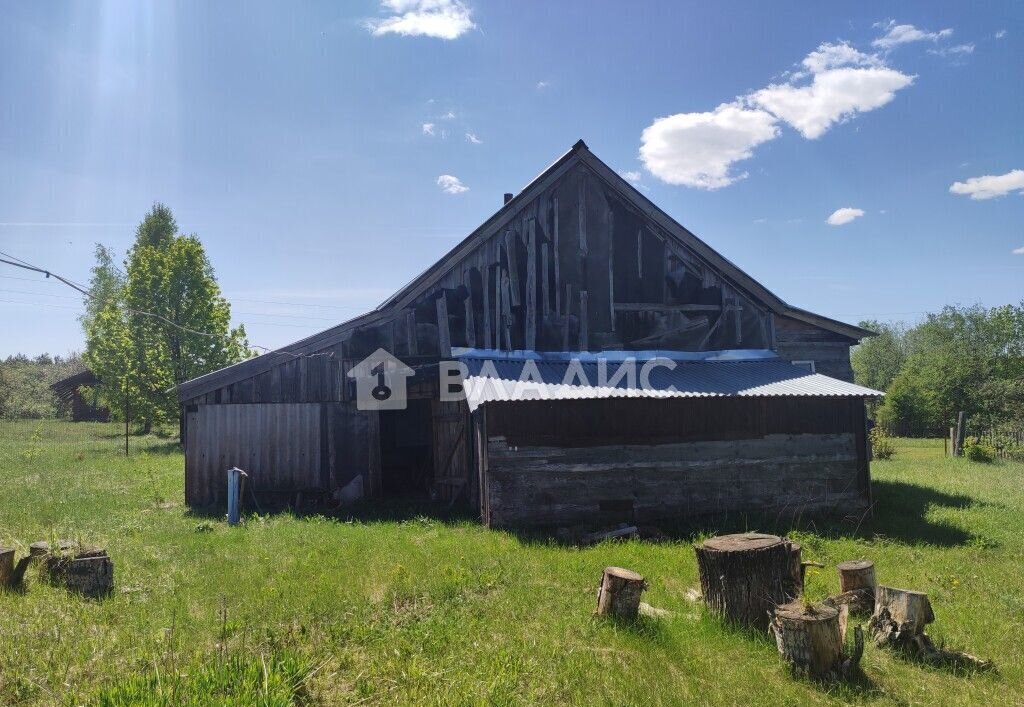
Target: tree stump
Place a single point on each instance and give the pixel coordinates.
(858, 577)
(620, 592)
(89, 572)
(6, 566)
(900, 616)
(743, 577)
(808, 637)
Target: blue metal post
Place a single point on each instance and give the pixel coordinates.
(234, 495)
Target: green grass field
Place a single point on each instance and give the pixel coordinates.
(311, 610)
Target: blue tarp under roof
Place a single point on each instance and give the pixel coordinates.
(512, 376)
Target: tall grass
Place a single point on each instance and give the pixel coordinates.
(427, 610)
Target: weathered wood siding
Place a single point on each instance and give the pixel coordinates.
(799, 341)
(278, 445)
(627, 460)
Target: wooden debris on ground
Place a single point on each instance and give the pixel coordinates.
(899, 621)
(655, 612)
(743, 577)
(88, 571)
(812, 637)
(623, 531)
(620, 591)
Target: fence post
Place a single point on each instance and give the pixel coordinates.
(234, 494)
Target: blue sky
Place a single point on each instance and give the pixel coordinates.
(305, 142)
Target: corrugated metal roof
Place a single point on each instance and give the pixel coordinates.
(521, 376)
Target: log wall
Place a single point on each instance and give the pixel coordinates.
(553, 469)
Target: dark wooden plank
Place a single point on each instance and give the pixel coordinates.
(584, 329)
(513, 266)
(444, 337)
(531, 286)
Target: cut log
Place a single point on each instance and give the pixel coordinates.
(743, 576)
(620, 592)
(6, 566)
(808, 637)
(858, 577)
(90, 573)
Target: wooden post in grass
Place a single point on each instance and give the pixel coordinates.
(743, 577)
(620, 592)
(6, 566)
(858, 577)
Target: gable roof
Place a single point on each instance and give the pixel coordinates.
(577, 154)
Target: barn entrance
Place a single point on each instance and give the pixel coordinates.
(406, 451)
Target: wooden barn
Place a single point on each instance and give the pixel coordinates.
(78, 392)
(749, 405)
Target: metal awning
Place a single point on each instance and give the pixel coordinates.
(503, 376)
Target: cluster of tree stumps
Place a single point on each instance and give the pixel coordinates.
(756, 581)
(89, 571)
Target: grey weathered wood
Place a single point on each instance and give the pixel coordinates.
(411, 333)
(506, 309)
(557, 258)
(611, 267)
(581, 219)
(545, 293)
(658, 307)
(742, 576)
(584, 332)
(513, 266)
(566, 317)
(485, 274)
(619, 594)
(470, 323)
(531, 286)
(444, 335)
(640, 253)
(499, 278)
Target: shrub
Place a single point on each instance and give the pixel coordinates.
(978, 451)
(881, 443)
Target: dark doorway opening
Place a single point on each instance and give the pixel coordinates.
(406, 453)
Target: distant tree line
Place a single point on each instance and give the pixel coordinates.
(25, 385)
(962, 358)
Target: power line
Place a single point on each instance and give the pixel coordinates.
(25, 265)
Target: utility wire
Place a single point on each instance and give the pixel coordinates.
(25, 265)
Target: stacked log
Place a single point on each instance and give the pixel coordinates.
(6, 566)
(88, 571)
(620, 591)
(743, 577)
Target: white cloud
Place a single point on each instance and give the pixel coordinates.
(843, 216)
(834, 95)
(835, 82)
(451, 185)
(471, 137)
(1018, 251)
(1000, 34)
(441, 19)
(698, 149)
(990, 186)
(896, 35)
(631, 176)
(450, 115)
(957, 50)
(541, 85)
(428, 128)
(760, 220)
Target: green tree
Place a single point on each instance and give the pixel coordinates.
(168, 325)
(877, 360)
(106, 285)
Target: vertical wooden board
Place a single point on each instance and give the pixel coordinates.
(545, 284)
(512, 256)
(581, 219)
(584, 330)
(506, 310)
(373, 430)
(557, 255)
(485, 274)
(444, 338)
(531, 287)
(611, 268)
(411, 333)
(499, 277)
(467, 304)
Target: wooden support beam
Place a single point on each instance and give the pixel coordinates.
(531, 285)
(581, 220)
(513, 267)
(611, 266)
(640, 253)
(659, 307)
(444, 336)
(499, 277)
(557, 256)
(584, 334)
(410, 332)
(545, 285)
(470, 324)
(485, 274)
(566, 316)
(506, 310)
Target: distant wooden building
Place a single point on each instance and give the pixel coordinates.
(71, 392)
(758, 411)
